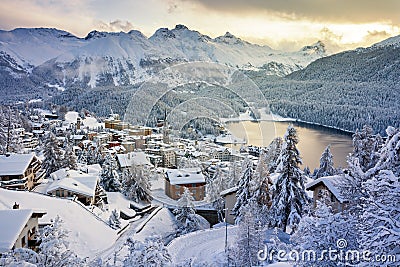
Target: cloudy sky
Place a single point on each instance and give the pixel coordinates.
(282, 24)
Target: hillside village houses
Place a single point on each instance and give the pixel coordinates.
(78, 185)
(130, 146)
(176, 180)
(327, 189)
(20, 171)
(22, 229)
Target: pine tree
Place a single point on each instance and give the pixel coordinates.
(263, 180)
(234, 174)
(136, 185)
(289, 196)
(53, 155)
(54, 248)
(186, 213)
(321, 231)
(380, 221)
(109, 177)
(151, 252)
(249, 238)
(10, 121)
(389, 154)
(20, 257)
(246, 189)
(69, 159)
(365, 147)
(272, 154)
(326, 167)
(114, 220)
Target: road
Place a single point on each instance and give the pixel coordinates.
(205, 245)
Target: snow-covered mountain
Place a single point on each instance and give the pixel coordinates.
(102, 58)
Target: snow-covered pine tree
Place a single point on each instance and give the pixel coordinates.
(136, 185)
(321, 231)
(246, 189)
(109, 177)
(185, 214)
(54, 248)
(389, 154)
(151, 252)
(289, 196)
(264, 181)
(156, 254)
(326, 167)
(234, 174)
(20, 257)
(365, 147)
(272, 154)
(307, 171)
(114, 220)
(69, 158)
(380, 220)
(93, 155)
(53, 155)
(249, 239)
(214, 187)
(83, 156)
(10, 121)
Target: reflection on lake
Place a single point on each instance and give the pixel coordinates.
(313, 139)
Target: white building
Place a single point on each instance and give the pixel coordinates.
(18, 229)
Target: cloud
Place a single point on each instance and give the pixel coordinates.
(376, 36)
(115, 26)
(356, 11)
(172, 6)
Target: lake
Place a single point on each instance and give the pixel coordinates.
(313, 139)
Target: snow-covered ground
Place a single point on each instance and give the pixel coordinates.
(205, 245)
(87, 233)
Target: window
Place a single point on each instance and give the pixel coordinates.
(23, 241)
(320, 192)
(333, 198)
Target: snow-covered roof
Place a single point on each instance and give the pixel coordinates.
(185, 176)
(12, 222)
(332, 183)
(85, 229)
(229, 191)
(133, 159)
(74, 181)
(15, 164)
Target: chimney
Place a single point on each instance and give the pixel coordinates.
(15, 206)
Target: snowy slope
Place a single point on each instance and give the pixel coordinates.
(32, 47)
(84, 228)
(206, 245)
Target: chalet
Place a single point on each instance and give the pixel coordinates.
(20, 171)
(77, 185)
(19, 229)
(328, 189)
(177, 179)
(133, 159)
(229, 196)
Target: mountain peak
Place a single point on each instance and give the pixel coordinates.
(163, 33)
(318, 48)
(95, 35)
(181, 27)
(229, 38)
